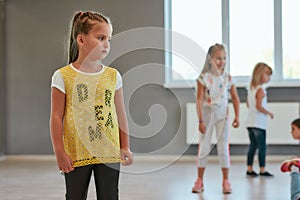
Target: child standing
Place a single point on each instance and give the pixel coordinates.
(213, 88)
(256, 121)
(88, 122)
(293, 165)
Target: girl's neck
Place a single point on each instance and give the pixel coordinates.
(88, 66)
(217, 73)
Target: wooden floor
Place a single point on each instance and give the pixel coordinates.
(150, 178)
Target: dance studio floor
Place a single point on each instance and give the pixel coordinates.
(150, 178)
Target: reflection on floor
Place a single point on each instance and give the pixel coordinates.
(150, 178)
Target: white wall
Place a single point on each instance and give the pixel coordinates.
(278, 130)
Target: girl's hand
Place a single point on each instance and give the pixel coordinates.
(64, 162)
(201, 127)
(236, 122)
(127, 157)
(271, 115)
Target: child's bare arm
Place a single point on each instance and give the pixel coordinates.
(199, 102)
(64, 162)
(126, 154)
(236, 106)
(259, 96)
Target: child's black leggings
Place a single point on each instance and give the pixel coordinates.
(106, 178)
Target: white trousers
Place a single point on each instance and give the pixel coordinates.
(220, 127)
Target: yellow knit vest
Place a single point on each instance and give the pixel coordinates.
(91, 132)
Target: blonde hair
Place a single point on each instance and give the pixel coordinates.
(82, 23)
(259, 69)
(211, 52)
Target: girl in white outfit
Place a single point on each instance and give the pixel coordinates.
(256, 121)
(213, 88)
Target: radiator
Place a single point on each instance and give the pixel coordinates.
(278, 130)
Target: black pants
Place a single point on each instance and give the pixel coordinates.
(106, 178)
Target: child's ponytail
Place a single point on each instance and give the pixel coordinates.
(73, 48)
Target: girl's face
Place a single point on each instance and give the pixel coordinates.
(265, 77)
(96, 44)
(219, 60)
(295, 131)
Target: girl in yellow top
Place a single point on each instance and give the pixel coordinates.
(88, 123)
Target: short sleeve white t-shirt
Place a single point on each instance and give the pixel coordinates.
(58, 82)
(217, 87)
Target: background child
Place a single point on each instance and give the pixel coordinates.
(213, 88)
(256, 121)
(293, 165)
(88, 123)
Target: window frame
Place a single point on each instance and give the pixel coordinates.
(241, 81)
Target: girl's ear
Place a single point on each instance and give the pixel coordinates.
(79, 40)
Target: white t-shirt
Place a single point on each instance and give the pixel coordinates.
(58, 82)
(217, 88)
(255, 118)
(216, 96)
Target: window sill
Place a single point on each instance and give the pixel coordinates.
(192, 84)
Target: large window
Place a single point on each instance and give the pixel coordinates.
(251, 35)
(290, 39)
(253, 31)
(197, 28)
